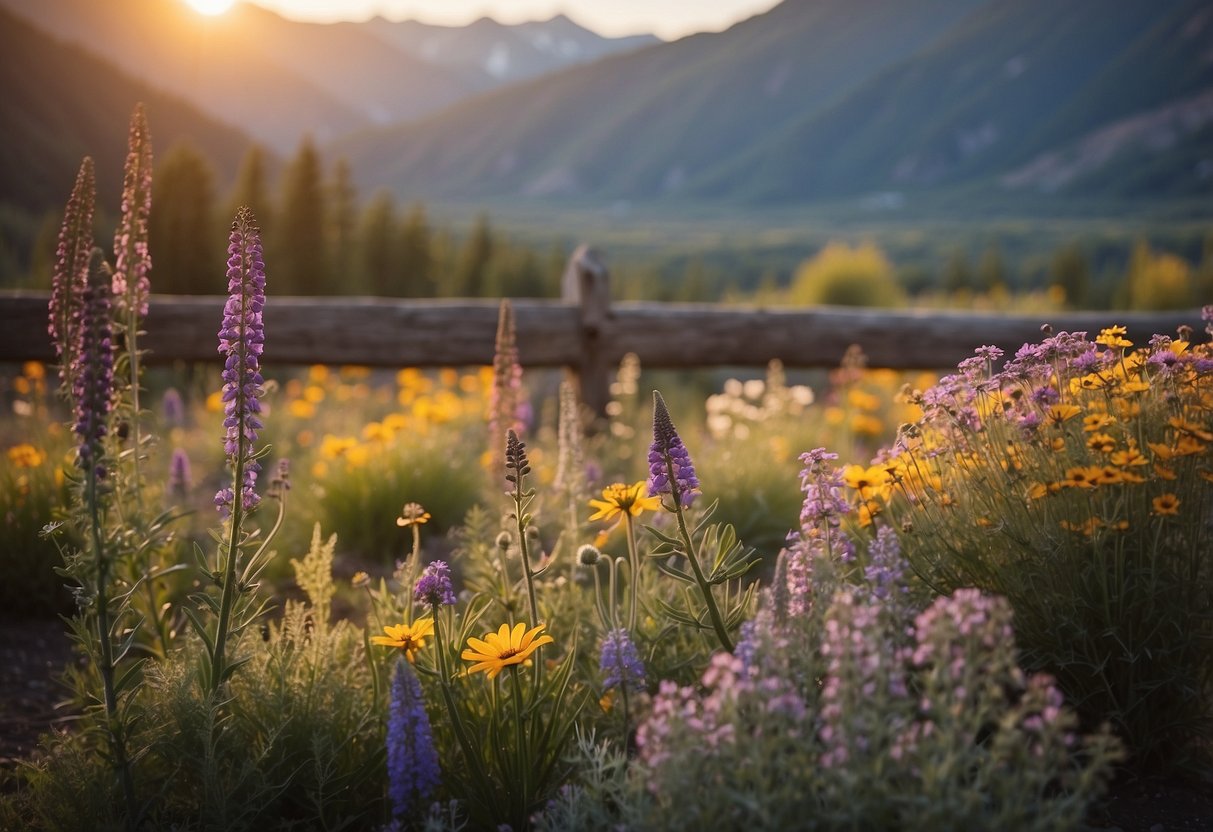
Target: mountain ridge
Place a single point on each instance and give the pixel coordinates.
(818, 99)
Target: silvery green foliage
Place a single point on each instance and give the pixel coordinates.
(851, 722)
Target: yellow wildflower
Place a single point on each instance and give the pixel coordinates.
(619, 499)
(506, 647)
(25, 455)
(1096, 421)
(1059, 413)
(1128, 458)
(1082, 476)
(869, 482)
(301, 409)
(408, 637)
(1113, 336)
(1166, 504)
(1101, 442)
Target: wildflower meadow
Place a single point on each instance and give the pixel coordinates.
(339, 598)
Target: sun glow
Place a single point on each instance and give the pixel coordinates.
(210, 7)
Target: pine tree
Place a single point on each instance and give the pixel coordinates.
(474, 260)
(1071, 272)
(343, 210)
(417, 253)
(183, 231)
(991, 273)
(302, 255)
(252, 190)
(381, 261)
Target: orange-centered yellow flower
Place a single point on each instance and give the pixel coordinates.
(869, 482)
(1059, 413)
(1166, 504)
(408, 637)
(619, 499)
(506, 647)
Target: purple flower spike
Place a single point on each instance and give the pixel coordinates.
(131, 258)
(412, 760)
(434, 585)
(619, 662)
(670, 468)
(241, 340)
(71, 270)
(180, 479)
(93, 372)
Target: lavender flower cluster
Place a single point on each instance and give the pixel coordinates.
(132, 260)
(670, 468)
(619, 662)
(434, 586)
(70, 273)
(241, 340)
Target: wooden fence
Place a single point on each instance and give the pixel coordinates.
(583, 331)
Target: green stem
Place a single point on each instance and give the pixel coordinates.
(444, 679)
(132, 346)
(411, 579)
(116, 741)
(722, 632)
(533, 605)
(634, 566)
(520, 735)
(228, 588)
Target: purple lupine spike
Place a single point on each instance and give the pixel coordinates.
(180, 479)
(71, 269)
(619, 662)
(506, 402)
(93, 371)
(241, 340)
(412, 759)
(670, 468)
(434, 585)
(132, 262)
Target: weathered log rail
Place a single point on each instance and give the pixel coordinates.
(583, 332)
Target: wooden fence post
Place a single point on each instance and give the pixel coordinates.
(586, 283)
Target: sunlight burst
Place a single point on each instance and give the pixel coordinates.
(210, 7)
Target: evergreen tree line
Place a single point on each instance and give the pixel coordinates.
(322, 240)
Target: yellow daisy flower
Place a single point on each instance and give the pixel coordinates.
(1166, 504)
(1113, 336)
(506, 647)
(869, 482)
(619, 499)
(1059, 413)
(408, 637)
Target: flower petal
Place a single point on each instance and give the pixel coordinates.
(516, 635)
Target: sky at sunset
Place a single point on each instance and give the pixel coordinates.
(666, 18)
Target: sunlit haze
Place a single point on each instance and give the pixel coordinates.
(211, 6)
(668, 19)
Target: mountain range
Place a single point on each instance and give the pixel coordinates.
(822, 99)
(61, 103)
(278, 79)
(880, 101)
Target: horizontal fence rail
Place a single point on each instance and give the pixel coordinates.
(584, 331)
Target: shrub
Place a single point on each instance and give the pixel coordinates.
(1075, 481)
